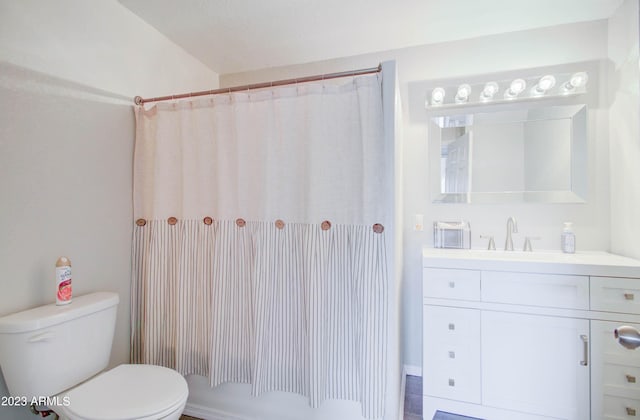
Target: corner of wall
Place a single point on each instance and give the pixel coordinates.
(624, 128)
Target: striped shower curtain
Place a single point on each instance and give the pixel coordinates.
(259, 245)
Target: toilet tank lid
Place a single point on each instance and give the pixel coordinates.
(52, 314)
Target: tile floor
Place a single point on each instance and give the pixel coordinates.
(412, 400)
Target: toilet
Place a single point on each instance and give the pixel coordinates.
(58, 354)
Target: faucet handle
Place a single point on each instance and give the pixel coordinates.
(527, 243)
(491, 245)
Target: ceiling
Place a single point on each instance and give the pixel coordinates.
(232, 36)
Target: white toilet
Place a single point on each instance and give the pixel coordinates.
(59, 351)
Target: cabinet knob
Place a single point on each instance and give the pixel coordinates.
(631, 379)
(452, 355)
(631, 411)
(452, 326)
(452, 284)
(452, 382)
(629, 296)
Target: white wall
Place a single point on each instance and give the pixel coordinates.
(419, 66)
(624, 130)
(97, 43)
(67, 72)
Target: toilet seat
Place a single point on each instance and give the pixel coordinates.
(127, 392)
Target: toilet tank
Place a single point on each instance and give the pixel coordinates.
(46, 350)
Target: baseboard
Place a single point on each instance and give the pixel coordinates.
(412, 370)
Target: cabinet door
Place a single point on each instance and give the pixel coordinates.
(536, 364)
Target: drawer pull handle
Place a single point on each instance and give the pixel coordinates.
(631, 411)
(629, 296)
(452, 355)
(452, 382)
(452, 284)
(631, 379)
(452, 327)
(585, 349)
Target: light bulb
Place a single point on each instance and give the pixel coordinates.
(515, 89)
(437, 96)
(544, 84)
(575, 81)
(463, 93)
(579, 79)
(517, 86)
(490, 89)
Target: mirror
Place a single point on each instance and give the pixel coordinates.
(494, 155)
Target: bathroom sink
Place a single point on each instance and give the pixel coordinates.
(550, 261)
(542, 256)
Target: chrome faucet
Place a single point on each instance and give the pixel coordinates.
(512, 227)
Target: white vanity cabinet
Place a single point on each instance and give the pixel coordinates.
(522, 338)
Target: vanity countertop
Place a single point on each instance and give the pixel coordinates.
(592, 263)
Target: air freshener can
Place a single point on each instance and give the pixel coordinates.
(63, 281)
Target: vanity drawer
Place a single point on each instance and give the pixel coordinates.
(548, 290)
(451, 354)
(621, 380)
(451, 283)
(613, 352)
(456, 380)
(620, 408)
(614, 294)
(443, 324)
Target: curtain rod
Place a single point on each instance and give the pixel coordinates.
(141, 101)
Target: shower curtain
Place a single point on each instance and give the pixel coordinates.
(259, 245)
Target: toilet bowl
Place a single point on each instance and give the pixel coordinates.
(60, 353)
(126, 392)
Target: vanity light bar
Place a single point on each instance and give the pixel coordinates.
(510, 90)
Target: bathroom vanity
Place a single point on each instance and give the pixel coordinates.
(529, 335)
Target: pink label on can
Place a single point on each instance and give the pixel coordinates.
(63, 278)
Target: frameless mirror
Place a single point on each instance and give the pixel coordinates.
(526, 154)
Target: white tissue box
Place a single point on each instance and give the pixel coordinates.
(452, 235)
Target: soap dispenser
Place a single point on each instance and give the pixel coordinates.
(568, 239)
